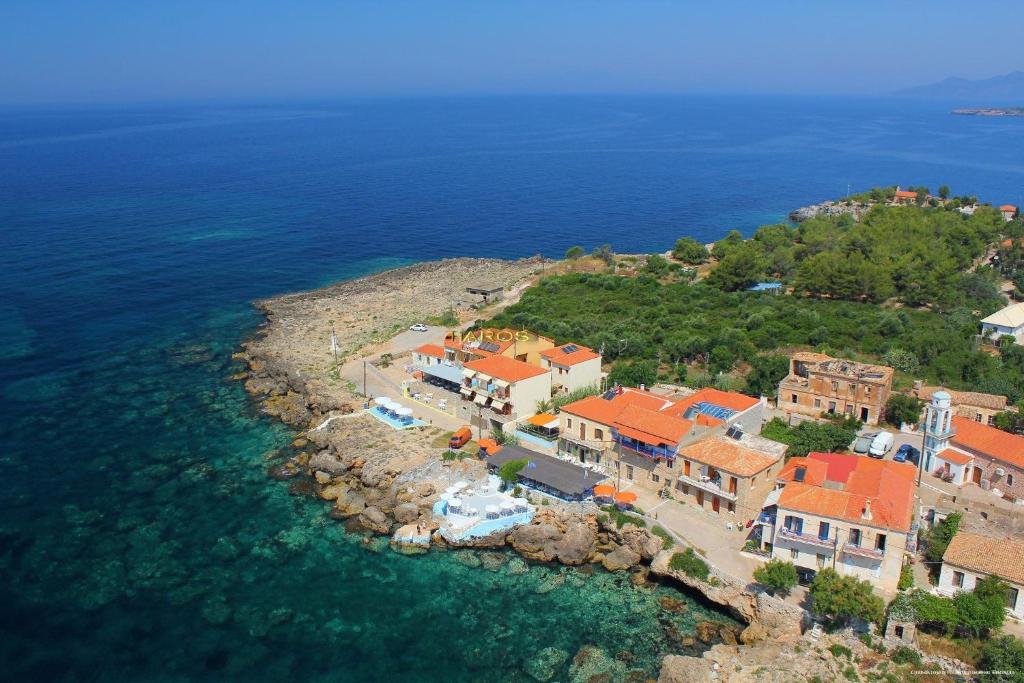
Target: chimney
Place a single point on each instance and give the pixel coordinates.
(867, 510)
(642, 387)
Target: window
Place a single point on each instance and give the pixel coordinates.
(686, 468)
(831, 406)
(655, 477)
(598, 434)
(794, 553)
(958, 579)
(817, 403)
(867, 391)
(568, 423)
(855, 537)
(849, 409)
(629, 472)
(823, 529)
(794, 524)
(991, 422)
(853, 388)
(835, 385)
(977, 417)
(821, 561)
(1011, 598)
(732, 507)
(1009, 480)
(732, 484)
(880, 542)
(792, 398)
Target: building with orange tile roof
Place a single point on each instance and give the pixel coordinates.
(851, 513)
(970, 557)
(731, 475)
(504, 389)
(573, 367)
(818, 384)
(637, 434)
(973, 405)
(1009, 211)
(521, 345)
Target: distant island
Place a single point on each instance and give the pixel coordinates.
(991, 111)
(1005, 88)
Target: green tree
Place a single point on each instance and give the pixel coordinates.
(656, 265)
(605, 253)
(901, 360)
(841, 598)
(944, 191)
(509, 472)
(573, 253)
(765, 374)
(689, 251)
(386, 359)
(985, 609)
(1002, 654)
(903, 409)
(1007, 421)
(777, 576)
(939, 537)
(742, 266)
(811, 437)
(635, 373)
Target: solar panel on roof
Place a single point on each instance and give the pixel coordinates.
(799, 474)
(569, 348)
(490, 347)
(734, 432)
(712, 410)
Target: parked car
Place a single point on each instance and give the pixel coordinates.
(881, 445)
(907, 452)
(460, 438)
(863, 443)
(419, 327)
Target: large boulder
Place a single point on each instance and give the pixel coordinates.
(325, 461)
(577, 545)
(373, 519)
(537, 541)
(406, 513)
(620, 559)
(641, 541)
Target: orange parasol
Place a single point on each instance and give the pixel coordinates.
(625, 497)
(604, 490)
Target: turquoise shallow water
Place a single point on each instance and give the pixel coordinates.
(140, 539)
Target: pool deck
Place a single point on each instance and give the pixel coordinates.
(477, 497)
(392, 422)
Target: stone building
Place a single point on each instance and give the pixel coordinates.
(818, 384)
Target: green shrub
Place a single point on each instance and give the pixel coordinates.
(838, 651)
(621, 518)
(778, 576)
(906, 655)
(691, 565)
(906, 578)
(666, 538)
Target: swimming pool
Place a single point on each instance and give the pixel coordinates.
(392, 422)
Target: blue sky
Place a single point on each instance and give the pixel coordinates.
(144, 50)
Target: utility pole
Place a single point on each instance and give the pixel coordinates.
(618, 467)
(924, 440)
(364, 380)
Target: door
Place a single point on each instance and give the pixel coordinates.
(583, 430)
(863, 414)
(714, 503)
(976, 476)
(700, 498)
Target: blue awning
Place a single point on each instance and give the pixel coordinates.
(449, 373)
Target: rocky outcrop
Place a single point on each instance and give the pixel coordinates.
(620, 559)
(536, 541)
(830, 208)
(767, 616)
(577, 543)
(374, 519)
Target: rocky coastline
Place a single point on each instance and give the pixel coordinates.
(376, 478)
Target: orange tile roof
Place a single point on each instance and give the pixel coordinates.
(954, 456)
(1003, 557)
(729, 455)
(995, 443)
(1007, 207)
(724, 399)
(431, 350)
(651, 426)
(604, 411)
(559, 357)
(503, 338)
(906, 194)
(888, 486)
(814, 475)
(504, 368)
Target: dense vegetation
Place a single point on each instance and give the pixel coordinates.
(778, 576)
(839, 599)
(808, 437)
(920, 256)
(690, 564)
(659, 328)
(967, 614)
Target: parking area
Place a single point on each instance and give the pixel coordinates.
(899, 439)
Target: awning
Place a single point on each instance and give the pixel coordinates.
(466, 391)
(545, 420)
(481, 399)
(467, 373)
(772, 498)
(501, 383)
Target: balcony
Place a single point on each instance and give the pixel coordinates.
(710, 485)
(592, 444)
(861, 551)
(808, 539)
(655, 452)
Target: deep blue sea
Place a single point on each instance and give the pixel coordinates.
(140, 539)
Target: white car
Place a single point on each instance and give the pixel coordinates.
(419, 327)
(880, 445)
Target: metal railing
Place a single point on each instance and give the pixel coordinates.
(809, 539)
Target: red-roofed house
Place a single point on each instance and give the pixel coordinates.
(573, 366)
(965, 452)
(846, 512)
(504, 388)
(637, 434)
(904, 197)
(1009, 211)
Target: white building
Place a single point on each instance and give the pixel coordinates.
(572, 366)
(1009, 320)
(971, 557)
(506, 389)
